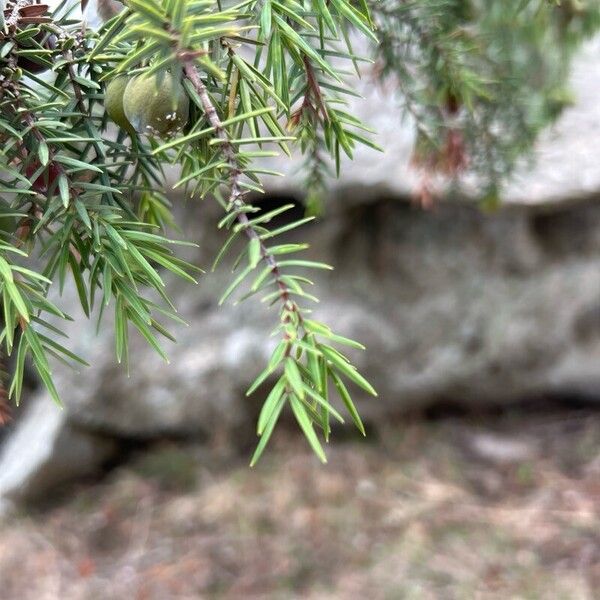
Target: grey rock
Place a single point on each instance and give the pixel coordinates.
(500, 449)
(44, 451)
(566, 165)
(453, 305)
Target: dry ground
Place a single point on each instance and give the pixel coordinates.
(502, 509)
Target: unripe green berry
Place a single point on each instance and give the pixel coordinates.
(156, 105)
(113, 102)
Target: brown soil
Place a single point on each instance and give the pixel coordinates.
(502, 509)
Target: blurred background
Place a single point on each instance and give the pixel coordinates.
(479, 476)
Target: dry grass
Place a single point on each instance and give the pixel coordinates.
(502, 510)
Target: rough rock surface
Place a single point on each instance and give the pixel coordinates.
(453, 305)
(45, 451)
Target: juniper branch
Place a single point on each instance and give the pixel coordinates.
(32, 122)
(236, 201)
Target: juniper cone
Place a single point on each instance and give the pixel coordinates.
(113, 102)
(156, 104)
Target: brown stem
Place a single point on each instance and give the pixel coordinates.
(236, 200)
(314, 87)
(5, 415)
(76, 89)
(31, 121)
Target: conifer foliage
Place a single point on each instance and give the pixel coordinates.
(90, 118)
(480, 78)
